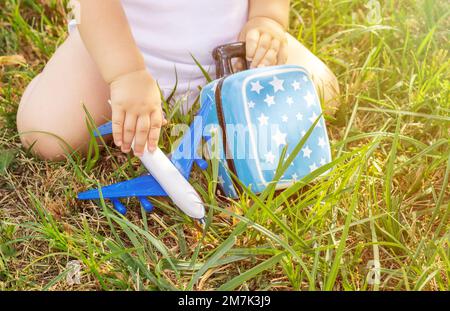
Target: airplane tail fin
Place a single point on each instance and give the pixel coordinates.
(186, 153)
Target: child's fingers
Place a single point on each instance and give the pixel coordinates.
(129, 131)
(142, 130)
(270, 58)
(263, 46)
(251, 43)
(118, 117)
(283, 54)
(156, 121)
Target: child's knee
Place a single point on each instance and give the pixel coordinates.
(43, 139)
(326, 83)
(48, 137)
(29, 90)
(324, 79)
(327, 86)
(44, 146)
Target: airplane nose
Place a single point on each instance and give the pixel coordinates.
(174, 183)
(148, 207)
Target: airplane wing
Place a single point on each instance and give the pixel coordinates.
(145, 185)
(140, 187)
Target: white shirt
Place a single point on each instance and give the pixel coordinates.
(169, 31)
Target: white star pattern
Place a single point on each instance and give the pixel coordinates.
(221, 180)
(256, 87)
(270, 100)
(270, 157)
(321, 143)
(289, 101)
(296, 85)
(310, 99)
(277, 84)
(263, 119)
(313, 167)
(279, 138)
(307, 152)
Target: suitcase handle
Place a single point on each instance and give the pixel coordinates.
(224, 54)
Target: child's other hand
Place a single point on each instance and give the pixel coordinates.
(266, 42)
(136, 112)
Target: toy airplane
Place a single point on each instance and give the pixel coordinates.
(166, 177)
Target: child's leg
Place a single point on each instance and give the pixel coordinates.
(325, 81)
(53, 102)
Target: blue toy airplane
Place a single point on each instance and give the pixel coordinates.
(148, 186)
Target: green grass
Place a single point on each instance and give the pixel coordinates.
(384, 203)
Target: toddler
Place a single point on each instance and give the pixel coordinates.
(127, 51)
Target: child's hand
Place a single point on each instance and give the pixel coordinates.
(136, 111)
(266, 42)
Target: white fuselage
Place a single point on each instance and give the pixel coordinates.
(173, 182)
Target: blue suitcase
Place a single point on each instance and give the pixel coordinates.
(255, 114)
